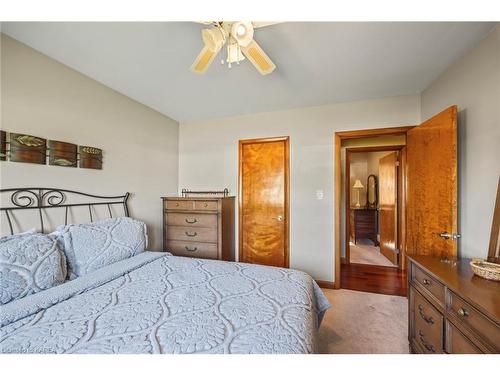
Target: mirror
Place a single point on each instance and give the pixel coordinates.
(494, 251)
(371, 191)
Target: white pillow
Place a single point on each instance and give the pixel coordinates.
(89, 247)
(29, 262)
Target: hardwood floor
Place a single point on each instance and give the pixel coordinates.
(373, 279)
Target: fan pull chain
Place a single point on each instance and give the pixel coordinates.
(229, 47)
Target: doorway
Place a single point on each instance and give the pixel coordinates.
(427, 197)
(373, 258)
(264, 201)
(373, 196)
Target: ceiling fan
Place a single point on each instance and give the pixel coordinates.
(238, 38)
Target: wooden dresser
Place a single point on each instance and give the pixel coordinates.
(363, 224)
(450, 309)
(199, 227)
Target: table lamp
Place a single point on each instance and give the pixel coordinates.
(358, 185)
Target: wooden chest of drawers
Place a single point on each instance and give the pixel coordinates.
(199, 227)
(450, 309)
(363, 224)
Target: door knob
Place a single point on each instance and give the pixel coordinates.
(447, 236)
(279, 218)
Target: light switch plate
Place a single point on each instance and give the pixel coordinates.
(319, 194)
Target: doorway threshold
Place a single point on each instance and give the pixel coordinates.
(373, 279)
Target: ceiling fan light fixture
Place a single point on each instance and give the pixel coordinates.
(242, 32)
(238, 39)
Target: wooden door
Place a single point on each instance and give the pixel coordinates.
(431, 211)
(263, 201)
(388, 206)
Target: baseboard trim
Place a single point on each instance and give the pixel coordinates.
(326, 284)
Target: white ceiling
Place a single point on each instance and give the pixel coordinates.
(317, 63)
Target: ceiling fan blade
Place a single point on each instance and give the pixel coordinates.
(258, 24)
(203, 60)
(258, 58)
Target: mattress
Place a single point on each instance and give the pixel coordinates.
(159, 303)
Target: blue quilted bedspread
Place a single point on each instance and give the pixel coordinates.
(158, 303)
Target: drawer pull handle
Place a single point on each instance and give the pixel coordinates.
(463, 313)
(206, 204)
(191, 221)
(177, 205)
(429, 347)
(191, 234)
(429, 319)
(426, 282)
(190, 249)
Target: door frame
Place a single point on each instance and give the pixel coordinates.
(286, 139)
(337, 178)
(347, 200)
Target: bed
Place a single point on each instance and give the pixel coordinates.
(155, 302)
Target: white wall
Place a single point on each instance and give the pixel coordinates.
(209, 160)
(473, 83)
(42, 97)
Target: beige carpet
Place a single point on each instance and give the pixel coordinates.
(364, 323)
(365, 253)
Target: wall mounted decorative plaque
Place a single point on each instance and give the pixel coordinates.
(90, 157)
(3, 145)
(62, 154)
(27, 148)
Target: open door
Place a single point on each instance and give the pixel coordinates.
(388, 206)
(431, 208)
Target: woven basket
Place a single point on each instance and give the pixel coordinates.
(486, 270)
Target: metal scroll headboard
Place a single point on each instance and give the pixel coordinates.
(40, 199)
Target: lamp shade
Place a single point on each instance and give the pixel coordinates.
(358, 185)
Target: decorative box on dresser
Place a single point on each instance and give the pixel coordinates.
(199, 227)
(450, 309)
